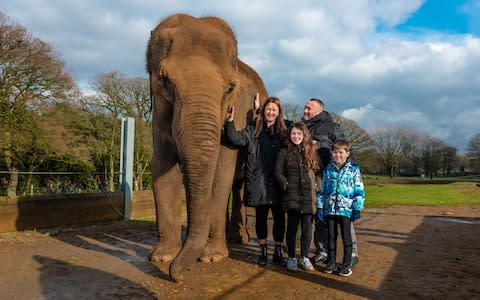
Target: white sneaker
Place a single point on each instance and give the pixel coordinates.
(305, 263)
(292, 264)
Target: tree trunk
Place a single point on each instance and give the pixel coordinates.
(28, 182)
(111, 184)
(12, 183)
(138, 177)
(13, 172)
(136, 180)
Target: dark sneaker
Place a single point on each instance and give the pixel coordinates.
(278, 257)
(331, 267)
(279, 260)
(345, 271)
(262, 260)
(320, 258)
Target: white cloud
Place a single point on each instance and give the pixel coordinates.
(359, 113)
(329, 49)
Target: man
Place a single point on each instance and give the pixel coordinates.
(324, 132)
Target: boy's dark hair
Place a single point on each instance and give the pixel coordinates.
(341, 144)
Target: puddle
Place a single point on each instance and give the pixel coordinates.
(457, 220)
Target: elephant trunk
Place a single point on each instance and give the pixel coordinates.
(198, 148)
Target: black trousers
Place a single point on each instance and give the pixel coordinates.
(261, 222)
(305, 221)
(333, 222)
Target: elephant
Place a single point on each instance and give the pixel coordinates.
(195, 75)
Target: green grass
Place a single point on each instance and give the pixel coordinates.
(458, 193)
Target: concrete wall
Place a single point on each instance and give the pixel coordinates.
(57, 210)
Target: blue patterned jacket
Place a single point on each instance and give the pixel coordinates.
(342, 190)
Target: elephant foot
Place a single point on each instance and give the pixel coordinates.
(213, 254)
(161, 253)
(176, 274)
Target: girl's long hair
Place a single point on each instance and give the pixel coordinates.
(279, 127)
(307, 148)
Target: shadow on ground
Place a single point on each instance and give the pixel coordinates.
(401, 256)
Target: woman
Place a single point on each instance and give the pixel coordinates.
(263, 141)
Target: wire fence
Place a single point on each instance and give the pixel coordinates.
(48, 183)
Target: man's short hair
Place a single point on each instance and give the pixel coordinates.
(320, 102)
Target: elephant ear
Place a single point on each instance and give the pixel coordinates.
(157, 51)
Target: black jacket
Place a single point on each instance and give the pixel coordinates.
(324, 132)
(300, 184)
(261, 187)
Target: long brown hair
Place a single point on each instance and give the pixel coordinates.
(308, 150)
(279, 127)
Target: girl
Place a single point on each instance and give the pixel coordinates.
(298, 170)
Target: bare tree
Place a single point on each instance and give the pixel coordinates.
(357, 136)
(362, 144)
(432, 156)
(123, 97)
(411, 163)
(473, 148)
(391, 145)
(449, 160)
(473, 152)
(31, 74)
(292, 112)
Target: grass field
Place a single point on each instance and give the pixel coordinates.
(457, 193)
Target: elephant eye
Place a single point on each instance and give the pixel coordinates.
(231, 87)
(165, 87)
(165, 82)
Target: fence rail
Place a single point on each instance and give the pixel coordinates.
(35, 212)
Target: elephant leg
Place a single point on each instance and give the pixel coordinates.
(216, 247)
(167, 190)
(238, 232)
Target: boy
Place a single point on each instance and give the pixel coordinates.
(339, 203)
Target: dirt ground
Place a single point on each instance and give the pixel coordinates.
(405, 253)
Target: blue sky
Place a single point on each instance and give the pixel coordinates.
(382, 63)
(455, 17)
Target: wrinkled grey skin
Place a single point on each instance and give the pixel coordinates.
(195, 75)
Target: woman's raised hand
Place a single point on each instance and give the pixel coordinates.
(230, 114)
(256, 102)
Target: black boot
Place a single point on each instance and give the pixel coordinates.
(262, 258)
(278, 257)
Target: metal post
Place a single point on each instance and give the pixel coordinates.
(122, 146)
(126, 163)
(122, 142)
